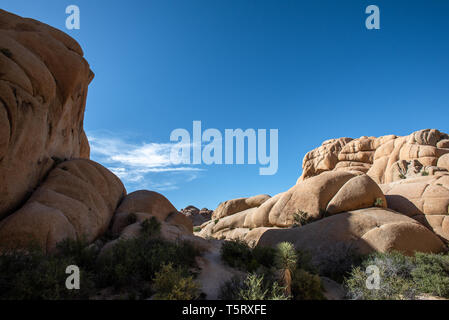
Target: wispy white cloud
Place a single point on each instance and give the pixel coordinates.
(140, 166)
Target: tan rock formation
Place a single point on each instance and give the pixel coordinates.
(230, 207)
(144, 204)
(328, 193)
(77, 201)
(367, 230)
(384, 159)
(43, 88)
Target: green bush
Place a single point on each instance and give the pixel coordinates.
(306, 286)
(285, 257)
(151, 227)
(264, 256)
(379, 202)
(401, 277)
(239, 255)
(133, 261)
(129, 267)
(431, 274)
(79, 252)
(391, 288)
(33, 275)
(252, 287)
(174, 284)
(337, 261)
(196, 229)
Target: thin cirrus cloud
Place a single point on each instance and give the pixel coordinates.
(140, 166)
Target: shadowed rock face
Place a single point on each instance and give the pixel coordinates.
(43, 89)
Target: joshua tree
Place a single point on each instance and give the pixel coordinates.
(285, 261)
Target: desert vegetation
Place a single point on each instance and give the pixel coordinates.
(401, 277)
(272, 274)
(139, 268)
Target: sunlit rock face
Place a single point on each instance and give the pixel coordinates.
(43, 88)
(385, 159)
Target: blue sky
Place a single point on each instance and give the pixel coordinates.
(307, 68)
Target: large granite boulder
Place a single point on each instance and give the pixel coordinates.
(43, 89)
(385, 159)
(77, 201)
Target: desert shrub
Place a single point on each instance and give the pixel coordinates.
(337, 261)
(230, 289)
(129, 266)
(304, 262)
(239, 255)
(252, 287)
(264, 256)
(151, 227)
(379, 202)
(300, 218)
(33, 275)
(395, 279)
(306, 286)
(174, 284)
(79, 252)
(280, 274)
(196, 229)
(431, 274)
(401, 277)
(391, 288)
(133, 261)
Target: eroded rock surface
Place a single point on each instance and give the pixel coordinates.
(76, 201)
(43, 89)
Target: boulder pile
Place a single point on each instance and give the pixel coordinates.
(49, 189)
(372, 194)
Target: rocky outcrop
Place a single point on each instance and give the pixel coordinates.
(326, 194)
(230, 207)
(76, 201)
(197, 216)
(143, 204)
(48, 192)
(384, 159)
(364, 230)
(43, 89)
(426, 199)
(369, 194)
(342, 176)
